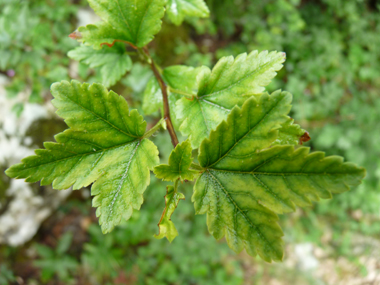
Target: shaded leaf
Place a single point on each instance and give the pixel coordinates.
(245, 184)
(166, 226)
(103, 145)
(179, 163)
(229, 84)
(152, 97)
(113, 62)
(130, 21)
(179, 9)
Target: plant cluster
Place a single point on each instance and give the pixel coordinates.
(249, 167)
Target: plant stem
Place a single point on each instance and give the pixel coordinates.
(188, 95)
(164, 91)
(153, 130)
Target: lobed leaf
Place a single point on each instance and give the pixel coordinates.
(229, 84)
(166, 226)
(130, 21)
(113, 62)
(245, 184)
(103, 145)
(179, 9)
(179, 163)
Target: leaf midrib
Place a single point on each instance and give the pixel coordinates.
(100, 117)
(237, 142)
(122, 180)
(79, 154)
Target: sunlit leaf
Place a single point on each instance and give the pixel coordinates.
(229, 84)
(104, 145)
(130, 21)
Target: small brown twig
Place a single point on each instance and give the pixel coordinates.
(165, 98)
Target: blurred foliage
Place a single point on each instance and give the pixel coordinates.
(333, 71)
(6, 275)
(56, 261)
(33, 45)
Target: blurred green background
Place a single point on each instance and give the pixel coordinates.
(333, 71)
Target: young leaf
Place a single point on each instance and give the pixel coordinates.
(231, 83)
(179, 163)
(244, 186)
(130, 21)
(103, 145)
(166, 226)
(179, 9)
(290, 133)
(113, 62)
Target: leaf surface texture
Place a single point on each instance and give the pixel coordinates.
(130, 21)
(229, 84)
(245, 184)
(103, 145)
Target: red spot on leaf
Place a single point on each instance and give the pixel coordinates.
(305, 138)
(75, 35)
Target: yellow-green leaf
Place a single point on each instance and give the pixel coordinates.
(179, 163)
(229, 84)
(103, 146)
(245, 183)
(130, 21)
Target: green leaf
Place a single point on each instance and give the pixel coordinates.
(179, 163)
(103, 145)
(290, 134)
(152, 97)
(230, 84)
(130, 21)
(113, 62)
(179, 9)
(245, 184)
(166, 226)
